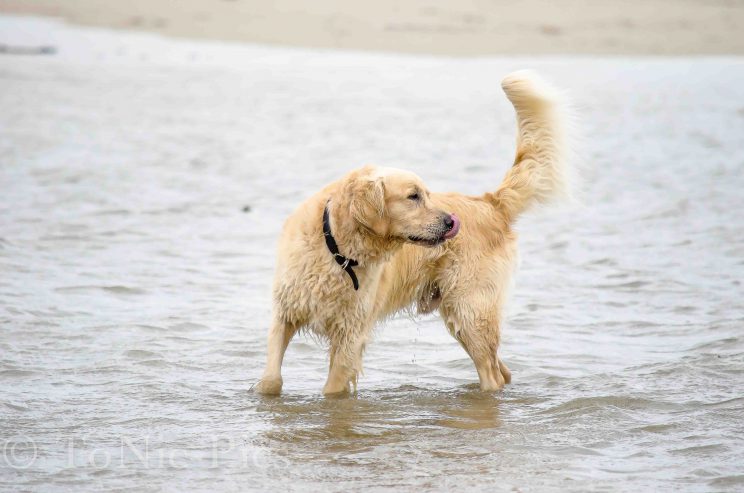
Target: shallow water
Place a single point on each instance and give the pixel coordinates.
(134, 288)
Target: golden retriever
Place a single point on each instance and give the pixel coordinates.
(377, 241)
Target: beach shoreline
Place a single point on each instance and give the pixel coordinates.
(533, 27)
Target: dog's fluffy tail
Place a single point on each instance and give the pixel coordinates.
(540, 173)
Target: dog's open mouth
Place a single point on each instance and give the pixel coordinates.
(442, 237)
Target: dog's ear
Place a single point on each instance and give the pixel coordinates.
(367, 203)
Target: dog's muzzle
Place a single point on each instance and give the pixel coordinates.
(449, 229)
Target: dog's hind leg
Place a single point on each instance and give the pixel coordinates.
(485, 359)
(478, 333)
(280, 334)
(505, 372)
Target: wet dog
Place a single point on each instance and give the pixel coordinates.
(378, 241)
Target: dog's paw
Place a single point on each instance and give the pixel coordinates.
(269, 386)
(331, 390)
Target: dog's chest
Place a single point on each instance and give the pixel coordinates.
(323, 295)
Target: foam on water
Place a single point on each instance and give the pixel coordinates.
(134, 290)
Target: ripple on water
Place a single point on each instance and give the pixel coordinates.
(141, 354)
(15, 406)
(700, 450)
(122, 290)
(17, 373)
(584, 405)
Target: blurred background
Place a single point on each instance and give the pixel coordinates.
(441, 27)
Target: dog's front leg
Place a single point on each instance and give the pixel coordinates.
(280, 334)
(345, 364)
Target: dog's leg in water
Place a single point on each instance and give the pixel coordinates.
(345, 366)
(485, 358)
(279, 336)
(479, 334)
(505, 372)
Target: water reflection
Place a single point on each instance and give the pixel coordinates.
(372, 418)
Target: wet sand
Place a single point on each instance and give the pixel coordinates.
(452, 27)
(134, 282)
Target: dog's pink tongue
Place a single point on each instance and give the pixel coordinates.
(455, 227)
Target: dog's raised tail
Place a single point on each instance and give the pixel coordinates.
(540, 173)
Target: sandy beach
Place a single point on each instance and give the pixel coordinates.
(451, 27)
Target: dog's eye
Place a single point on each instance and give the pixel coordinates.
(413, 196)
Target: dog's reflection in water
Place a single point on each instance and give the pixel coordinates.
(360, 422)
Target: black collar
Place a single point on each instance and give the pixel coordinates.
(345, 263)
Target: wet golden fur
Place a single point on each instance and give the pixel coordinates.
(373, 219)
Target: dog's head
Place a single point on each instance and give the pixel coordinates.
(394, 203)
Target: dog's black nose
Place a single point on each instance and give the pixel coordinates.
(448, 222)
